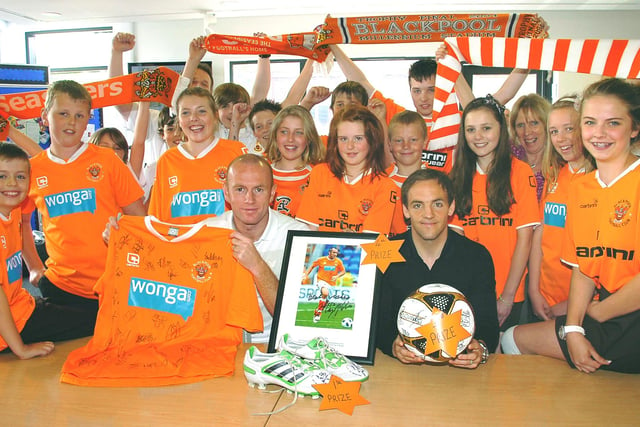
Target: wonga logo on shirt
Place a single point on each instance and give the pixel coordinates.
(160, 296)
(14, 267)
(555, 214)
(70, 202)
(204, 202)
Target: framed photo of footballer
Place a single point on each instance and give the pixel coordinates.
(326, 291)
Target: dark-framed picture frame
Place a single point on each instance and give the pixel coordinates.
(336, 300)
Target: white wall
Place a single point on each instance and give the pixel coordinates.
(168, 40)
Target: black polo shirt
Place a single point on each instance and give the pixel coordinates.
(463, 264)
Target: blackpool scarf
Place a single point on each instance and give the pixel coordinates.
(612, 58)
(155, 85)
(380, 29)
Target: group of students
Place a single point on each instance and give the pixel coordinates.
(350, 182)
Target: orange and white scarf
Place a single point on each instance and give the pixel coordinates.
(380, 29)
(155, 85)
(612, 58)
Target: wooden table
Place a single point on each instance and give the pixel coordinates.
(509, 390)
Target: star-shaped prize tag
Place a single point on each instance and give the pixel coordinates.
(443, 332)
(382, 252)
(340, 394)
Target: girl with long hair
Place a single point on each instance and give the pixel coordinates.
(495, 200)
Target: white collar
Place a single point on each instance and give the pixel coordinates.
(74, 156)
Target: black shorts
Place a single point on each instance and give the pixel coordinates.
(55, 295)
(52, 322)
(617, 340)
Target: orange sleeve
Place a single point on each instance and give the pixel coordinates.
(392, 107)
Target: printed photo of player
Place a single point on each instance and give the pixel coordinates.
(327, 292)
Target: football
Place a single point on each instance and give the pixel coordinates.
(436, 322)
(347, 322)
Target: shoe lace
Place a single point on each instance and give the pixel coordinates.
(294, 362)
(328, 355)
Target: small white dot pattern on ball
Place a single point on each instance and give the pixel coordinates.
(442, 302)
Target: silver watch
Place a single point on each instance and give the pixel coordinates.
(485, 352)
(565, 329)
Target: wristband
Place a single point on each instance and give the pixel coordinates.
(566, 329)
(502, 300)
(265, 55)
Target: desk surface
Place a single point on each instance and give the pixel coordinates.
(509, 390)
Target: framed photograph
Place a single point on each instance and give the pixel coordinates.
(326, 291)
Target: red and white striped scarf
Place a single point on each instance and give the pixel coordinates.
(611, 58)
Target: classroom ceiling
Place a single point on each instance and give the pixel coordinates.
(110, 11)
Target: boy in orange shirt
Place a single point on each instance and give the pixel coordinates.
(25, 321)
(76, 188)
(407, 141)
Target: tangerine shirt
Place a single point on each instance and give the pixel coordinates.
(328, 268)
(173, 304)
(555, 277)
(499, 234)
(75, 199)
(290, 186)
(21, 303)
(188, 189)
(602, 229)
(332, 204)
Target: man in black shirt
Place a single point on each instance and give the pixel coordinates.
(435, 254)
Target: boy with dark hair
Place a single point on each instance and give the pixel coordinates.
(260, 119)
(433, 253)
(76, 188)
(347, 94)
(24, 321)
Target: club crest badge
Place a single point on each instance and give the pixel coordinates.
(620, 215)
(365, 206)
(201, 271)
(94, 172)
(221, 174)
(152, 83)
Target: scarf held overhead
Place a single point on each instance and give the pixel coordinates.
(380, 29)
(610, 58)
(155, 85)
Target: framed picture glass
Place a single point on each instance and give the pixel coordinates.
(326, 291)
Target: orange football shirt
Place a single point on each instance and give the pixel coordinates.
(188, 189)
(290, 186)
(76, 199)
(173, 304)
(499, 233)
(21, 303)
(602, 229)
(328, 268)
(555, 277)
(334, 205)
